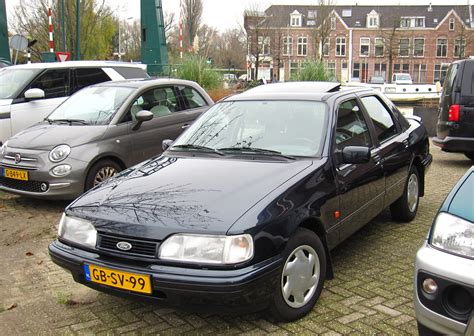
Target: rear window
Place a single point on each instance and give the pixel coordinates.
(450, 77)
(131, 73)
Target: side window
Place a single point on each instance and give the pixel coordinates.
(384, 125)
(54, 83)
(88, 76)
(160, 101)
(351, 128)
(191, 97)
(450, 78)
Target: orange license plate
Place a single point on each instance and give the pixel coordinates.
(130, 281)
(15, 174)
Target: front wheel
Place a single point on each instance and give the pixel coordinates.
(301, 278)
(404, 209)
(101, 171)
(470, 155)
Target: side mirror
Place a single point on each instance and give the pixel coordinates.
(166, 144)
(34, 94)
(355, 154)
(142, 116)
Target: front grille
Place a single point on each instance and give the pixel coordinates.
(144, 248)
(32, 186)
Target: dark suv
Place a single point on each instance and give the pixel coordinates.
(455, 131)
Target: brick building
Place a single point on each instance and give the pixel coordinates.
(359, 42)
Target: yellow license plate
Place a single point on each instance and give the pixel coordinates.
(119, 279)
(15, 174)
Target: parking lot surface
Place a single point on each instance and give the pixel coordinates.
(370, 295)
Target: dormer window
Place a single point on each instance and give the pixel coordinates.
(412, 21)
(346, 12)
(295, 19)
(373, 19)
(312, 14)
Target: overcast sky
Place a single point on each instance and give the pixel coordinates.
(228, 14)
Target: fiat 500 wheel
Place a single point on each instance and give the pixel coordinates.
(101, 171)
(301, 278)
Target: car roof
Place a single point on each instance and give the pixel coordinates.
(147, 82)
(78, 64)
(319, 91)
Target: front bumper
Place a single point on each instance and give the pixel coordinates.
(233, 290)
(450, 272)
(455, 144)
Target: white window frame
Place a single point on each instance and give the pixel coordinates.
(414, 47)
(340, 44)
(451, 24)
(365, 44)
(419, 18)
(264, 41)
(312, 13)
(445, 47)
(288, 45)
(304, 46)
(375, 17)
(458, 42)
(400, 44)
(295, 20)
(382, 44)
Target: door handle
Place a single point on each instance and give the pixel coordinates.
(185, 126)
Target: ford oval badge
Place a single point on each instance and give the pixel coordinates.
(124, 246)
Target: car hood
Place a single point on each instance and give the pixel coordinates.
(44, 136)
(4, 102)
(182, 194)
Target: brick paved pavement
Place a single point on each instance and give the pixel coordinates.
(371, 293)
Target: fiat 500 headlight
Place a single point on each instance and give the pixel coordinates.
(77, 230)
(3, 148)
(207, 249)
(59, 153)
(453, 234)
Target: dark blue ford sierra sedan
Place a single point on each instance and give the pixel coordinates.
(244, 208)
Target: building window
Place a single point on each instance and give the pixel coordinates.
(326, 48)
(442, 47)
(356, 71)
(331, 70)
(373, 19)
(405, 23)
(459, 46)
(440, 72)
(364, 46)
(396, 68)
(380, 70)
(404, 47)
(311, 23)
(346, 12)
(287, 45)
(405, 68)
(379, 47)
(451, 24)
(340, 46)
(419, 47)
(295, 19)
(333, 23)
(294, 67)
(302, 45)
(420, 22)
(312, 14)
(419, 73)
(264, 45)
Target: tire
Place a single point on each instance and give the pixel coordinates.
(404, 209)
(307, 273)
(100, 171)
(470, 155)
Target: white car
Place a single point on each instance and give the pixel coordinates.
(29, 92)
(402, 78)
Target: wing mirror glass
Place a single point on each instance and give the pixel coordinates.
(34, 94)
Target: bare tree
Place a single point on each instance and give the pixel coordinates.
(207, 37)
(257, 26)
(322, 27)
(168, 24)
(390, 40)
(464, 37)
(230, 49)
(192, 13)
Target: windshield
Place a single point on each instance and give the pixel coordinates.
(92, 105)
(293, 128)
(12, 81)
(403, 77)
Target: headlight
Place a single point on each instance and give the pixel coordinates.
(77, 231)
(453, 234)
(207, 249)
(3, 148)
(61, 170)
(59, 153)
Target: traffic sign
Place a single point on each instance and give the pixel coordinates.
(63, 56)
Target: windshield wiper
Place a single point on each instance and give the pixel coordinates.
(69, 121)
(255, 150)
(197, 147)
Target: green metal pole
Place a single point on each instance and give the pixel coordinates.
(63, 28)
(4, 47)
(78, 29)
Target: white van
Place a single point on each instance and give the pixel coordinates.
(29, 92)
(401, 78)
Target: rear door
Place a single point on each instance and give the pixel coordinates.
(83, 77)
(392, 145)
(193, 103)
(360, 186)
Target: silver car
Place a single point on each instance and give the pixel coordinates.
(444, 268)
(96, 133)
